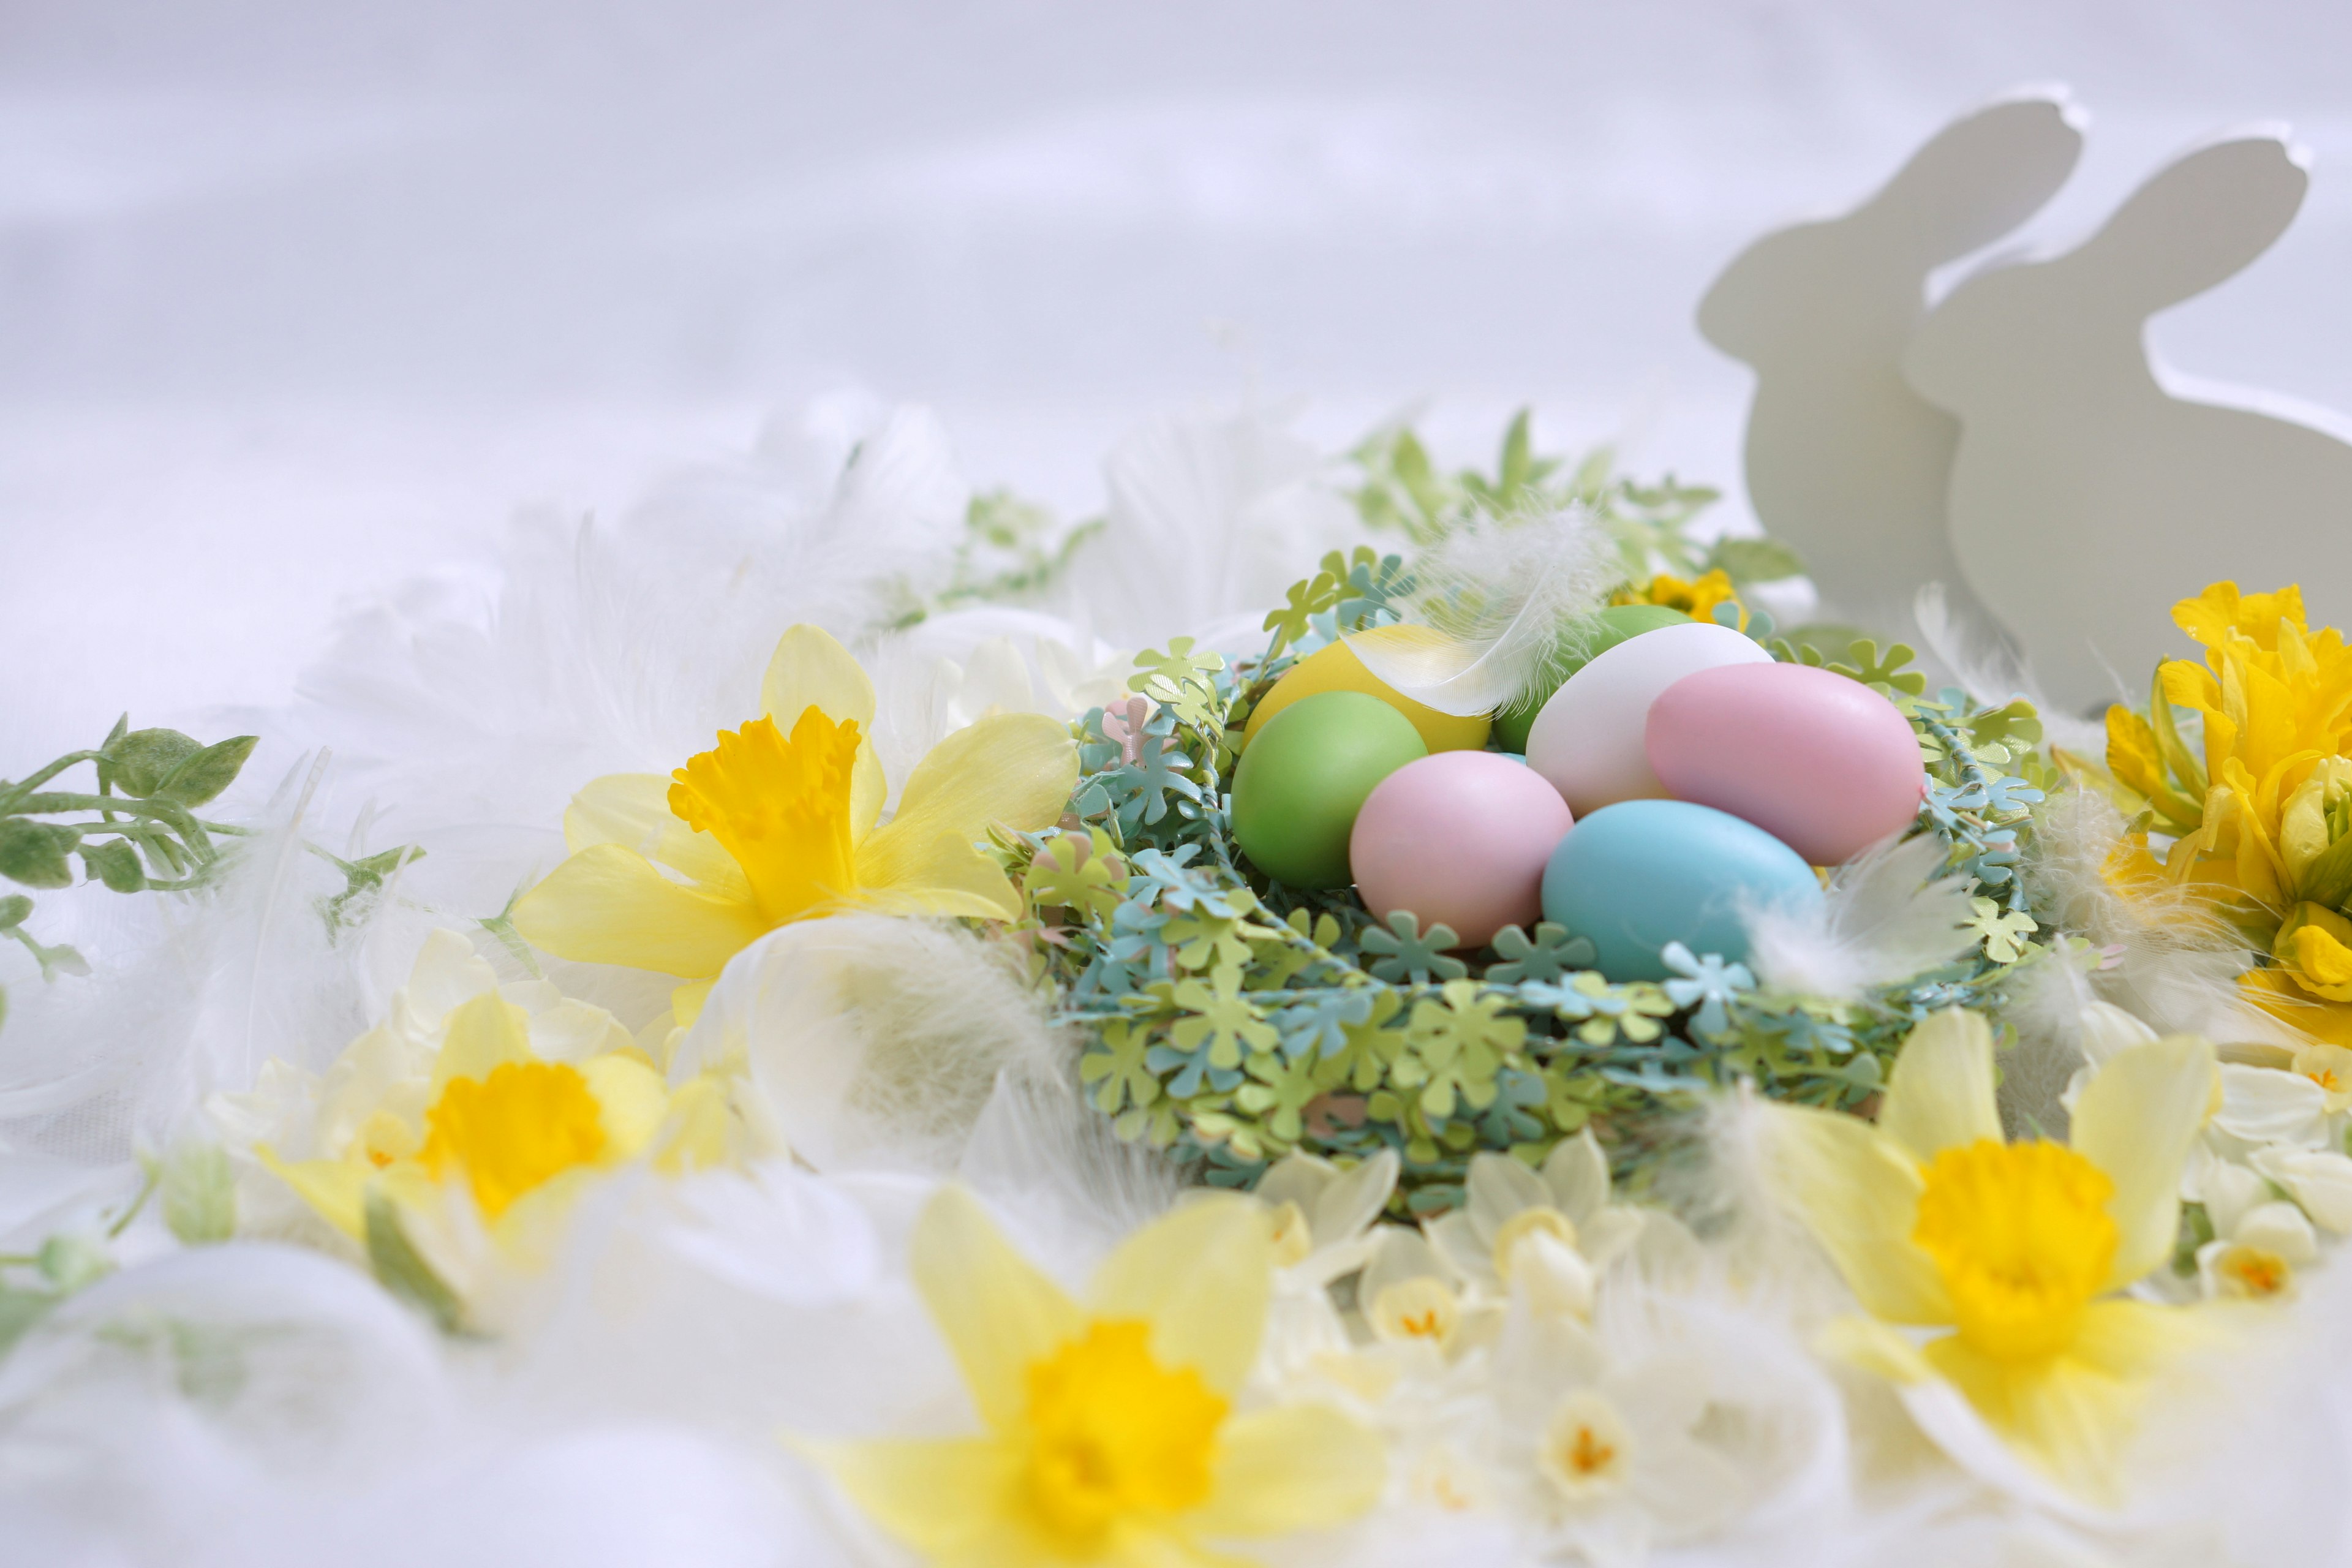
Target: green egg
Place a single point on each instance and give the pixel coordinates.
(1300, 786)
(1609, 627)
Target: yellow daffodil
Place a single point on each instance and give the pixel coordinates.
(2005, 1259)
(777, 823)
(1112, 1432)
(1696, 598)
(477, 1112)
(2260, 812)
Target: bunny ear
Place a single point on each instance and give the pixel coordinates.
(2201, 220)
(1983, 174)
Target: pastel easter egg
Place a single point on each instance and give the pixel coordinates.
(1337, 668)
(1589, 738)
(1637, 874)
(1603, 630)
(1297, 788)
(1822, 763)
(1461, 838)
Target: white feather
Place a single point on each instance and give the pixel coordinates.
(1506, 594)
(1886, 916)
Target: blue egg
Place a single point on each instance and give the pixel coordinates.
(1639, 874)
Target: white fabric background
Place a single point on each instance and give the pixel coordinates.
(297, 300)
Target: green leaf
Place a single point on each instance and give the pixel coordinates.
(1746, 561)
(71, 1262)
(13, 909)
(199, 1190)
(19, 1311)
(34, 852)
(116, 864)
(402, 1270)
(140, 761)
(203, 776)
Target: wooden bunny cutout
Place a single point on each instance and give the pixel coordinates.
(1843, 460)
(2091, 492)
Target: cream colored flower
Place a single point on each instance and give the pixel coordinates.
(1508, 1205)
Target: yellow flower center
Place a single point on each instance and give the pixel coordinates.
(1585, 1449)
(1294, 1238)
(510, 1132)
(2251, 1273)
(2021, 1236)
(1696, 598)
(1114, 1434)
(781, 807)
(1420, 1308)
(1541, 1220)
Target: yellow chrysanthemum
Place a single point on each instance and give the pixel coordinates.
(1112, 1435)
(2015, 1250)
(777, 823)
(1696, 598)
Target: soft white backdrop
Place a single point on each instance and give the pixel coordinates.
(297, 300)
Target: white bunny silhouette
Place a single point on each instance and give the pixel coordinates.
(2088, 494)
(1843, 461)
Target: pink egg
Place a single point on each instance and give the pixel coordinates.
(1461, 839)
(1822, 763)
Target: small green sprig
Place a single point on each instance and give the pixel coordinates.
(1402, 492)
(137, 832)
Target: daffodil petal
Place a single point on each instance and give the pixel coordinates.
(1016, 769)
(945, 1497)
(483, 1035)
(1300, 1466)
(609, 905)
(1858, 1191)
(694, 1132)
(998, 1313)
(1201, 1274)
(1940, 1094)
(632, 810)
(2135, 1121)
(954, 880)
(809, 669)
(2071, 1415)
(631, 1101)
(335, 1189)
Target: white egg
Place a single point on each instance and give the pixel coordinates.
(1589, 738)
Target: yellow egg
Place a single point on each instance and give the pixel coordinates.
(1337, 668)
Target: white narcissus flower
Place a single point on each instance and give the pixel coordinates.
(1670, 1423)
(2256, 1257)
(1414, 1300)
(1323, 1215)
(1508, 1205)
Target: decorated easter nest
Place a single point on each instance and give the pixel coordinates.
(1235, 1019)
(737, 984)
